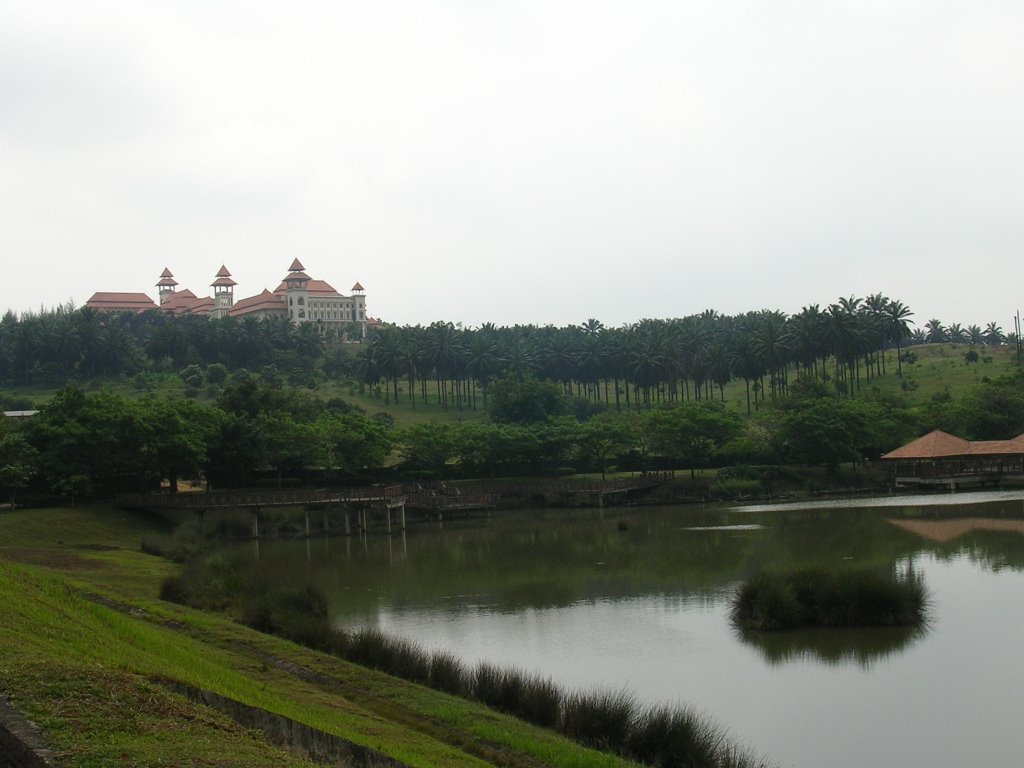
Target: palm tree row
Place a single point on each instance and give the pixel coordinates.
(636, 365)
(65, 343)
(645, 362)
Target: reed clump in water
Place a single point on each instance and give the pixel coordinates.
(825, 598)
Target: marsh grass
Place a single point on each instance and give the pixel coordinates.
(826, 598)
(601, 718)
(447, 673)
(393, 655)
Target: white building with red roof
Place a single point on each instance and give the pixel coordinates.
(299, 298)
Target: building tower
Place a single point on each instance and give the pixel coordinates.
(297, 292)
(359, 307)
(166, 285)
(223, 293)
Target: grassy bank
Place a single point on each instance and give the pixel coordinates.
(86, 671)
(85, 644)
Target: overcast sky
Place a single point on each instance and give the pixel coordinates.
(519, 162)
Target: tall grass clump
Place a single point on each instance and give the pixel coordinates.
(530, 697)
(600, 718)
(824, 598)
(675, 736)
(393, 655)
(447, 673)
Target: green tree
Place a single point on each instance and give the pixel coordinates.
(17, 462)
(604, 436)
(526, 401)
(690, 433)
(353, 443)
(428, 446)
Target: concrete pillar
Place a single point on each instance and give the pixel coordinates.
(348, 526)
(402, 513)
(326, 530)
(387, 509)
(307, 523)
(255, 514)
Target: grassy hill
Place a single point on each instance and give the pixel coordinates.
(930, 369)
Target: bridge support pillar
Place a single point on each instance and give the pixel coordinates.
(254, 513)
(401, 512)
(387, 508)
(348, 526)
(307, 523)
(326, 529)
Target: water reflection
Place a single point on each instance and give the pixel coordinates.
(833, 646)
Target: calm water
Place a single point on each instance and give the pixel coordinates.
(573, 595)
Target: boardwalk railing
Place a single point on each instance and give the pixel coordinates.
(242, 499)
(460, 501)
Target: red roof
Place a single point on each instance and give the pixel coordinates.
(296, 266)
(940, 445)
(223, 272)
(111, 301)
(358, 287)
(297, 277)
(319, 288)
(178, 303)
(167, 281)
(166, 273)
(223, 281)
(264, 302)
(202, 307)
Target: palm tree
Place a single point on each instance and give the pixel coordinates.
(896, 315)
(994, 335)
(772, 342)
(975, 335)
(935, 332)
(876, 304)
(956, 334)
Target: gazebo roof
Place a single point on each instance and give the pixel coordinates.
(942, 445)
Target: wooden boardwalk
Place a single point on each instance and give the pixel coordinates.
(391, 495)
(434, 500)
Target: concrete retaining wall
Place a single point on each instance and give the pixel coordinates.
(310, 743)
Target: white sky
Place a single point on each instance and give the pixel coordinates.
(531, 162)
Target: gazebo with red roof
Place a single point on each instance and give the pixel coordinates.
(942, 459)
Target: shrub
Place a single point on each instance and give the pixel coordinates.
(175, 589)
(297, 614)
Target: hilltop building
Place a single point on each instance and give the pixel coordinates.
(299, 298)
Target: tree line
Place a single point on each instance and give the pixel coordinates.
(260, 430)
(637, 365)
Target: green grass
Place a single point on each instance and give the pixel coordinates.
(86, 671)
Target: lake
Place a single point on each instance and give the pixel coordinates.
(638, 598)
